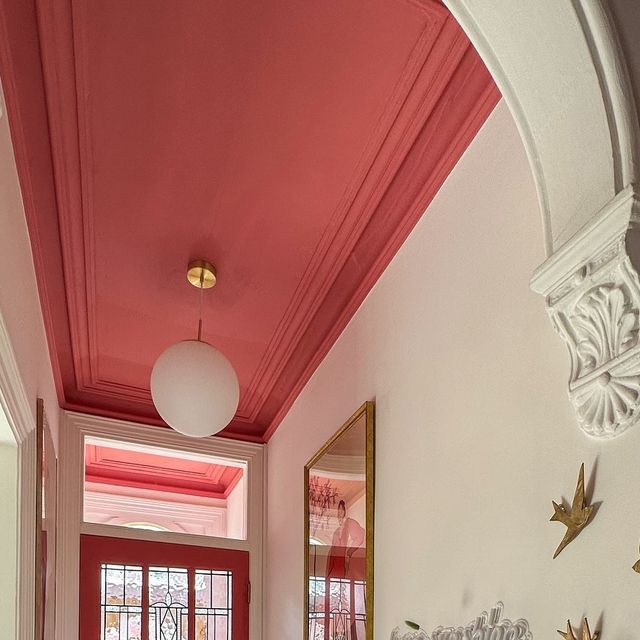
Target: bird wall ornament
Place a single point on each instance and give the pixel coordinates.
(636, 567)
(576, 519)
(586, 632)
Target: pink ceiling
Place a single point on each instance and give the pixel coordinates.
(108, 465)
(294, 144)
(345, 489)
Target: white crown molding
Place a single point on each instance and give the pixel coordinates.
(592, 293)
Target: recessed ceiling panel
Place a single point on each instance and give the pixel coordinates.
(293, 144)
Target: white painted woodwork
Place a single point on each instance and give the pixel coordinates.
(25, 369)
(75, 428)
(559, 66)
(8, 536)
(107, 504)
(18, 411)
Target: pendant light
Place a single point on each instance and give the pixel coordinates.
(194, 387)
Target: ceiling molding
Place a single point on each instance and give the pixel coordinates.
(441, 98)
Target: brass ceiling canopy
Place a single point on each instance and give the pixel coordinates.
(201, 274)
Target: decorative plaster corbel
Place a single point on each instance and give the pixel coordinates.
(592, 293)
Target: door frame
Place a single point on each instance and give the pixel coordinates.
(21, 414)
(95, 550)
(74, 428)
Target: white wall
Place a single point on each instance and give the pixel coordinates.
(19, 301)
(8, 537)
(475, 435)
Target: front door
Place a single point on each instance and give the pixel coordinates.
(139, 590)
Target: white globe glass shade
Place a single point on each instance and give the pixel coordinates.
(194, 388)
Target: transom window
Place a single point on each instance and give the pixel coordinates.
(145, 487)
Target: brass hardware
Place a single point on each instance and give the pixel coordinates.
(586, 632)
(201, 274)
(577, 519)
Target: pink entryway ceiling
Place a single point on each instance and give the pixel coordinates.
(294, 144)
(173, 474)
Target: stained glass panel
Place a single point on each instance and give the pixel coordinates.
(213, 605)
(168, 603)
(317, 595)
(336, 608)
(168, 612)
(120, 602)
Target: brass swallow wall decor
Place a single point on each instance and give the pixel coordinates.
(577, 519)
(636, 567)
(586, 632)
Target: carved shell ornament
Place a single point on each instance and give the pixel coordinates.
(605, 393)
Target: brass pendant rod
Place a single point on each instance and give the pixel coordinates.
(200, 318)
(201, 274)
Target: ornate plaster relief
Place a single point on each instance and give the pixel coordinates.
(593, 299)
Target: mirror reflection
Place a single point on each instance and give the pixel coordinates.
(339, 499)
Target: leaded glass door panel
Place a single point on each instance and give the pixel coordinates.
(139, 590)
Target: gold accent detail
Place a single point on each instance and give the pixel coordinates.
(586, 632)
(577, 519)
(39, 600)
(201, 274)
(636, 567)
(367, 409)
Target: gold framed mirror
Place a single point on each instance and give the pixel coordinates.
(338, 533)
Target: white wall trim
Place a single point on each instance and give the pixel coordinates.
(610, 100)
(107, 506)
(21, 417)
(617, 94)
(74, 428)
(490, 59)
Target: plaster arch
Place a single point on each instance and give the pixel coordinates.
(560, 69)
